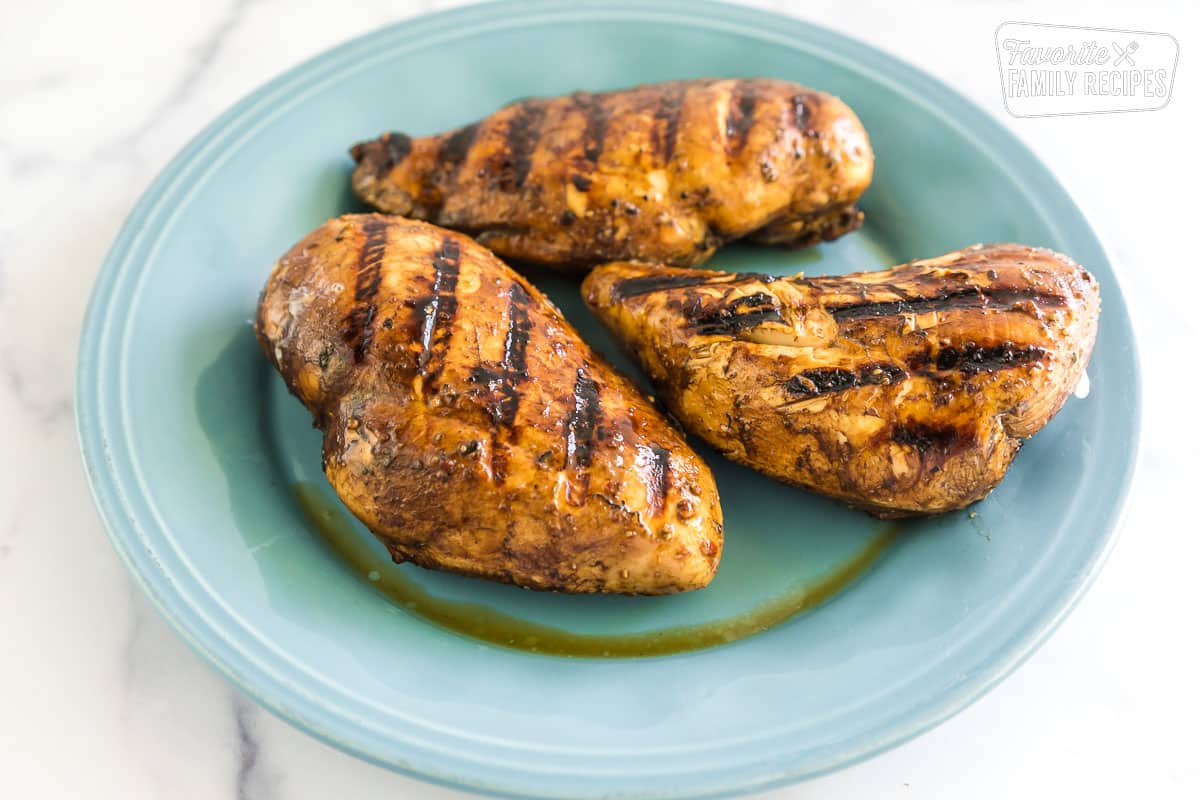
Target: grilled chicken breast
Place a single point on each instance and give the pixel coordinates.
(468, 425)
(906, 391)
(663, 173)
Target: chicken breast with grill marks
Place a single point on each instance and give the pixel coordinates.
(468, 425)
(905, 391)
(661, 173)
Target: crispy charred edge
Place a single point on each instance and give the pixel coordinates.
(974, 297)
(383, 154)
(522, 135)
(936, 445)
(359, 326)
(438, 312)
(834, 223)
(742, 313)
(942, 440)
(552, 566)
(647, 284)
(581, 423)
(822, 225)
(968, 358)
(504, 383)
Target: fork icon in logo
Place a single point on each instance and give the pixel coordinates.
(1125, 54)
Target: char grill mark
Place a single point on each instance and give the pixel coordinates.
(666, 116)
(517, 339)
(633, 287)
(647, 284)
(523, 134)
(454, 148)
(748, 311)
(658, 465)
(971, 358)
(524, 131)
(595, 124)
(581, 424)
(803, 106)
(453, 152)
(399, 145)
(978, 297)
(739, 118)
(830, 380)
(503, 381)
(360, 322)
(440, 309)
(513, 368)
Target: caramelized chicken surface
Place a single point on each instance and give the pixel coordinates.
(468, 425)
(664, 173)
(906, 391)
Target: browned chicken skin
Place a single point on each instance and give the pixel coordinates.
(906, 391)
(468, 425)
(664, 173)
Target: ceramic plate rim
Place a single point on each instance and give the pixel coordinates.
(274, 692)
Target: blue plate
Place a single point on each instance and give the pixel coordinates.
(197, 457)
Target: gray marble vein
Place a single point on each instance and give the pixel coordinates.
(41, 410)
(131, 659)
(200, 60)
(15, 162)
(253, 781)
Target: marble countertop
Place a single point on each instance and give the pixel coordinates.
(100, 699)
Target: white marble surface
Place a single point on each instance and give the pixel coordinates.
(99, 699)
